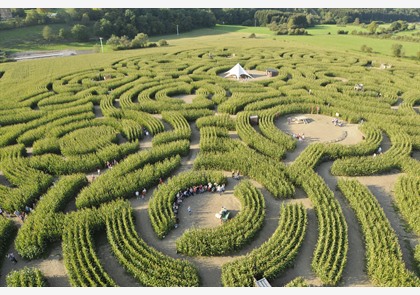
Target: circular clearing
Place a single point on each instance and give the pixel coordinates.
(320, 128)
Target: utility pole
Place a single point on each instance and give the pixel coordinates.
(102, 46)
(177, 32)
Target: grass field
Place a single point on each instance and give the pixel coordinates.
(30, 39)
(332, 202)
(323, 36)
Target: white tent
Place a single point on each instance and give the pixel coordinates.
(237, 71)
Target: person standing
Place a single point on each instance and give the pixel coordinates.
(143, 193)
(189, 210)
(137, 193)
(12, 257)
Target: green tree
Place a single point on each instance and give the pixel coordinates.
(64, 34)
(297, 21)
(113, 41)
(356, 21)
(140, 40)
(418, 54)
(85, 19)
(397, 50)
(103, 28)
(47, 33)
(372, 27)
(163, 42)
(80, 32)
(366, 48)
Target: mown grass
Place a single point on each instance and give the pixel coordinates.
(324, 36)
(30, 39)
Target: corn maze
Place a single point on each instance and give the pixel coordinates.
(74, 151)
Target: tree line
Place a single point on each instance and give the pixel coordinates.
(105, 22)
(131, 21)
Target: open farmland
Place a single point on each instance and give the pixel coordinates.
(80, 135)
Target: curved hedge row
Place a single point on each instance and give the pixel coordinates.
(31, 184)
(269, 173)
(106, 188)
(330, 255)
(406, 191)
(150, 267)
(59, 165)
(127, 184)
(385, 266)
(181, 129)
(7, 233)
(255, 140)
(82, 264)
(44, 225)
(274, 256)
(231, 236)
(161, 214)
(221, 120)
(391, 159)
(26, 277)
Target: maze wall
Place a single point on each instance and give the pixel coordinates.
(74, 151)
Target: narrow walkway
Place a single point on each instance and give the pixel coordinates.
(98, 112)
(354, 272)
(382, 188)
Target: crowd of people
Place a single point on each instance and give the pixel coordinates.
(20, 214)
(191, 191)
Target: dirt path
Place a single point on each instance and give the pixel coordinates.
(319, 129)
(302, 264)
(353, 274)
(382, 188)
(187, 98)
(98, 112)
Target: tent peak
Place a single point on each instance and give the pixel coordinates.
(237, 71)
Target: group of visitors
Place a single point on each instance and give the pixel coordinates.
(299, 136)
(109, 164)
(20, 214)
(143, 194)
(191, 191)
